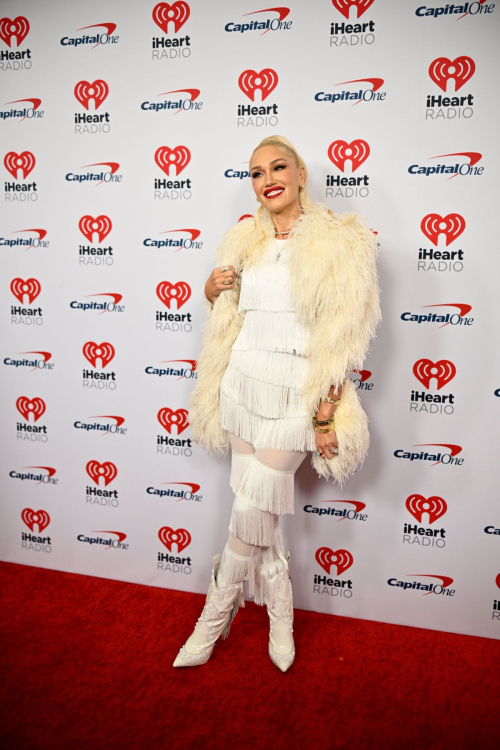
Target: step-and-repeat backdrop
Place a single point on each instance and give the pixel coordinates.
(127, 130)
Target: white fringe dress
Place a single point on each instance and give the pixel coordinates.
(260, 402)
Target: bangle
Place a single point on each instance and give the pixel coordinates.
(328, 429)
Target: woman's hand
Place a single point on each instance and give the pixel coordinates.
(326, 442)
(219, 281)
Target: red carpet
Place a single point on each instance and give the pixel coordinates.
(87, 663)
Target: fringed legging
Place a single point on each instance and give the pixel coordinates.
(263, 483)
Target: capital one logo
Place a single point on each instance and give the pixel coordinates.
(178, 158)
(168, 418)
(459, 70)
(443, 371)
(344, 6)
(17, 28)
(85, 91)
(25, 162)
(326, 557)
(39, 517)
(101, 226)
(166, 292)
(177, 14)
(27, 406)
(451, 226)
(356, 152)
(434, 506)
(92, 352)
(31, 288)
(180, 537)
(97, 471)
(250, 81)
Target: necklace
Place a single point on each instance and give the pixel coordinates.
(287, 231)
(280, 249)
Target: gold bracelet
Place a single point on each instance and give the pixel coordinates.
(324, 432)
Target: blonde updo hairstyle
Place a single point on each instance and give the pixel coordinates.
(304, 199)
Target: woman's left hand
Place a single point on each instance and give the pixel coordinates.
(326, 444)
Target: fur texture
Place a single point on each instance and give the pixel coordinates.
(333, 272)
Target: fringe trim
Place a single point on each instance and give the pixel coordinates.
(266, 287)
(265, 399)
(236, 568)
(291, 434)
(278, 368)
(272, 331)
(239, 464)
(250, 524)
(267, 489)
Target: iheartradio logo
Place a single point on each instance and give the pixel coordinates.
(459, 70)
(250, 81)
(180, 537)
(89, 226)
(451, 226)
(344, 6)
(178, 158)
(85, 91)
(106, 471)
(168, 418)
(92, 352)
(30, 288)
(434, 506)
(341, 559)
(14, 162)
(39, 517)
(18, 28)
(27, 406)
(176, 14)
(356, 152)
(443, 371)
(180, 292)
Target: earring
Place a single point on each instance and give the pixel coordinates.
(302, 187)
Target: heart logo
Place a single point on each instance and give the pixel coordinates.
(32, 517)
(443, 371)
(461, 70)
(168, 418)
(168, 536)
(178, 158)
(92, 352)
(101, 225)
(106, 470)
(451, 226)
(357, 151)
(177, 13)
(266, 81)
(27, 406)
(166, 291)
(85, 91)
(18, 28)
(25, 162)
(326, 557)
(418, 505)
(344, 6)
(30, 287)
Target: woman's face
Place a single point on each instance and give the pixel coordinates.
(276, 178)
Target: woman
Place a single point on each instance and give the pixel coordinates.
(292, 308)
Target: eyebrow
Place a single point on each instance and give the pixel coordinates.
(258, 166)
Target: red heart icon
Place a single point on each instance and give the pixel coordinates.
(106, 470)
(32, 517)
(168, 536)
(31, 287)
(166, 291)
(27, 406)
(178, 157)
(177, 13)
(25, 162)
(443, 371)
(85, 91)
(168, 418)
(101, 225)
(19, 28)
(418, 505)
(92, 352)
(340, 151)
(461, 69)
(326, 557)
(451, 226)
(266, 81)
(343, 6)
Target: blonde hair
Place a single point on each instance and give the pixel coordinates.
(304, 199)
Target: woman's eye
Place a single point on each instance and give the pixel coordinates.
(256, 174)
(280, 166)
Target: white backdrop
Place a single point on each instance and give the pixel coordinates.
(393, 106)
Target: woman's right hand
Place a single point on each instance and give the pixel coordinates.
(219, 281)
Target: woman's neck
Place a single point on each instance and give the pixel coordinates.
(284, 220)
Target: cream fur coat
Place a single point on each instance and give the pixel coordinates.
(334, 280)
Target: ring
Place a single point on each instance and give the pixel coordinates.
(226, 281)
(224, 268)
